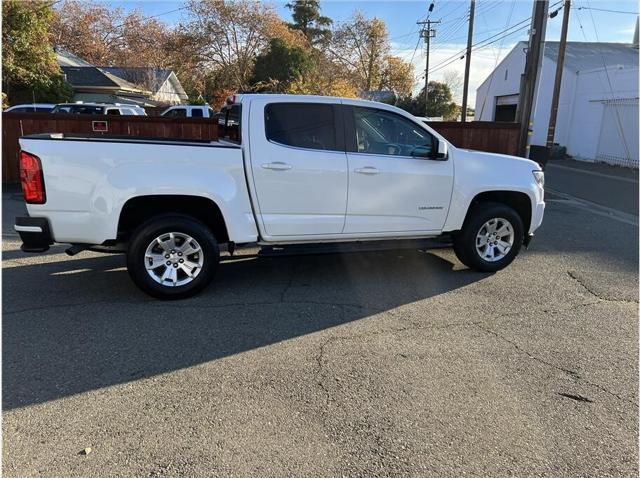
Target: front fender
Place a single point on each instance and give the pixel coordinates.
(477, 172)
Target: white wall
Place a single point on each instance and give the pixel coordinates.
(587, 113)
(169, 93)
(580, 111)
(513, 65)
(542, 111)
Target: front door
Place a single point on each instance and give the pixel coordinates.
(394, 186)
(299, 167)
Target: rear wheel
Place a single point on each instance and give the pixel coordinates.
(490, 238)
(172, 257)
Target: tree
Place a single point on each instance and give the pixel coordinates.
(30, 71)
(361, 46)
(229, 35)
(109, 37)
(440, 102)
(453, 79)
(307, 19)
(276, 68)
(397, 76)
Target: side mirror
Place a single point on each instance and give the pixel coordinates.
(421, 152)
(442, 151)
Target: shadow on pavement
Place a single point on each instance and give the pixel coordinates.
(80, 325)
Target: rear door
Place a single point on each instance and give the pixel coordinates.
(299, 166)
(394, 184)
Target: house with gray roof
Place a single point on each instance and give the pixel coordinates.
(598, 106)
(164, 84)
(141, 86)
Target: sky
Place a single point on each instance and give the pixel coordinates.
(588, 22)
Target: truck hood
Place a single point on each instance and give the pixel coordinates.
(496, 159)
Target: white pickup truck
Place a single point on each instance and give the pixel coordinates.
(287, 170)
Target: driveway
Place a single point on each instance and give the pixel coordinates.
(394, 363)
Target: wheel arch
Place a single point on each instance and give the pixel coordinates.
(517, 200)
(139, 209)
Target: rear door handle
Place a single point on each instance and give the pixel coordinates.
(277, 166)
(368, 170)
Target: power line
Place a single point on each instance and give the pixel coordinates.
(485, 8)
(454, 28)
(484, 101)
(499, 35)
(457, 7)
(414, 50)
(606, 10)
(461, 52)
(156, 16)
(454, 58)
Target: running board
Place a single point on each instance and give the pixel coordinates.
(348, 247)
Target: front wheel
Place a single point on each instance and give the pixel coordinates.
(172, 257)
(490, 238)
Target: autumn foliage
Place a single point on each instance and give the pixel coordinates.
(220, 47)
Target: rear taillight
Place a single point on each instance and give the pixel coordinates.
(32, 179)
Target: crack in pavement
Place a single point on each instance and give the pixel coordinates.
(320, 357)
(289, 282)
(595, 294)
(572, 373)
(414, 326)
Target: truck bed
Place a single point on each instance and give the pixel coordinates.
(89, 179)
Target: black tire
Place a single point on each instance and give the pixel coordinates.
(156, 227)
(464, 244)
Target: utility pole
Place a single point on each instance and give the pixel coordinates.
(427, 34)
(528, 81)
(558, 81)
(465, 88)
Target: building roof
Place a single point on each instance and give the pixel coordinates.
(152, 78)
(66, 58)
(88, 76)
(583, 56)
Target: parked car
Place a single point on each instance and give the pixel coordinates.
(100, 109)
(189, 111)
(288, 170)
(31, 108)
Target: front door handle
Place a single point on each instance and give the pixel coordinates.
(368, 170)
(277, 166)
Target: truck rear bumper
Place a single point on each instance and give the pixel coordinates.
(34, 232)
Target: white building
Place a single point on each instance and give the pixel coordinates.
(164, 84)
(598, 106)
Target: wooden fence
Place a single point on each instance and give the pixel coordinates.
(15, 125)
(482, 136)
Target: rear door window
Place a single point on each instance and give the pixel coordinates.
(196, 113)
(302, 125)
(230, 124)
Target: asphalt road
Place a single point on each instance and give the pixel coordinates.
(396, 363)
(599, 183)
